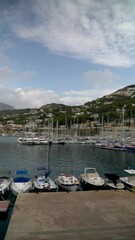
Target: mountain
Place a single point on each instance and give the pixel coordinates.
(111, 105)
(108, 108)
(4, 106)
(53, 106)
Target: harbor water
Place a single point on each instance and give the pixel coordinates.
(72, 158)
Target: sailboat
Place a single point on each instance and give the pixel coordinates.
(43, 182)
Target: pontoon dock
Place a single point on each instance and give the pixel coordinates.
(4, 205)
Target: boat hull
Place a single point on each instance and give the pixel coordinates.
(91, 180)
(46, 185)
(18, 188)
(69, 188)
(111, 186)
(129, 186)
(4, 186)
(67, 182)
(87, 186)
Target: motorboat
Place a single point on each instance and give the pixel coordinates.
(21, 182)
(91, 180)
(43, 182)
(129, 180)
(67, 182)
(5, 181)
(112, 181)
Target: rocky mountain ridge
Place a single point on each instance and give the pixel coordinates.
(4, 106)
(105, 109)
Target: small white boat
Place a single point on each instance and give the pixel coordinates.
(21, 182)
(112, 181)
(67, 182)
(44, 183)
(5, 181)
(129, 180)
(91, 180)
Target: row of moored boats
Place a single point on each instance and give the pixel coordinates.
(88, 180)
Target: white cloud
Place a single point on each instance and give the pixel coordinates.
(102, 78)
(27, 98)
(9, 75)
(99, 31)
(35, 98)
(80, 97)
(6, 73)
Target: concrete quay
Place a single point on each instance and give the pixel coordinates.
(94, 215)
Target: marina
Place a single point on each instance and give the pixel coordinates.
(76, 157)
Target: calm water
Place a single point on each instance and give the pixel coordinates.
(14, 156)
(76, 157)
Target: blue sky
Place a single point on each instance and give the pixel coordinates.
(65, 51)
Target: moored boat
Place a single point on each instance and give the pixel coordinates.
(21, 182)
(67, 182)
(129, 180)
(5, 181)
(43, 182)
(91, 180)
(112, 181)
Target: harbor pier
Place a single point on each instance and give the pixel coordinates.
(99, 215)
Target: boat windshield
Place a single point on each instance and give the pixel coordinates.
(90, 170)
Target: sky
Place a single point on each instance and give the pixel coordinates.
(65, 51)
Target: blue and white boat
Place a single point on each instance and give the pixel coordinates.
(21, 182)
(42, 182)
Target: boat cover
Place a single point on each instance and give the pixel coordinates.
(112, 176)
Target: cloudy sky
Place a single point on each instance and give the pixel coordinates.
(65, 51)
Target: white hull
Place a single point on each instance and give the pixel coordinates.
(4, 185)
(23, 187)
(68, 183)
(129, 181)
(129, 184)
(111, 185)
(70, 188)
(21, 182)
(5, 181)
(91, 180)
(112, 181)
